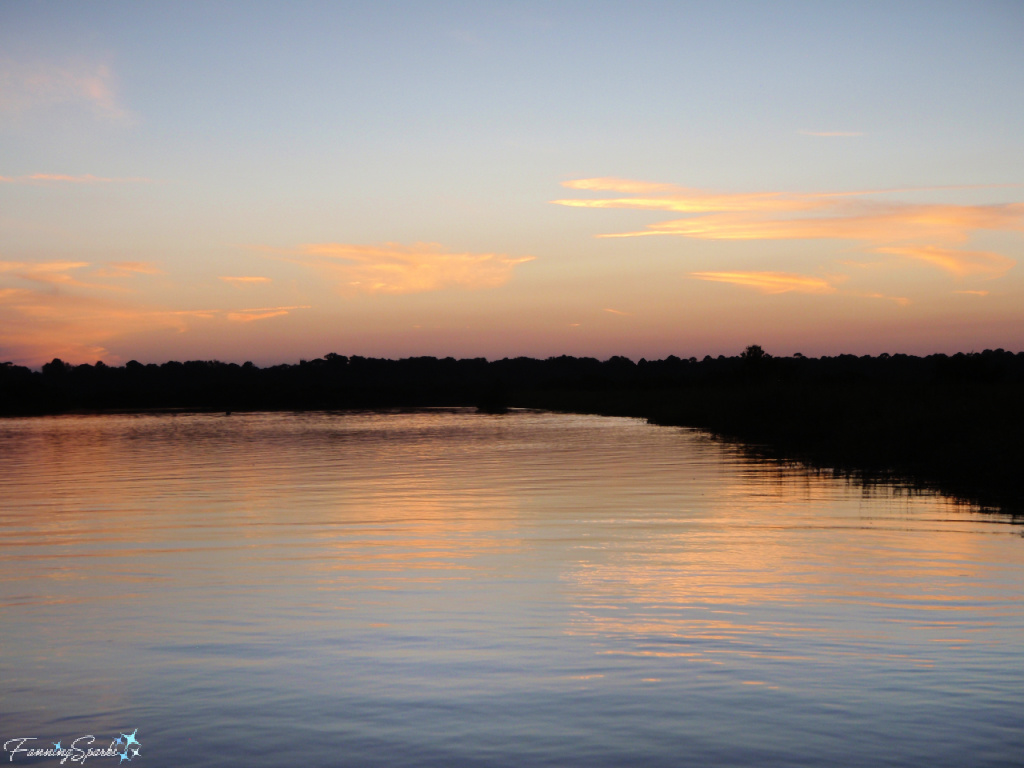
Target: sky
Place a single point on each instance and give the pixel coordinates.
(276, 181)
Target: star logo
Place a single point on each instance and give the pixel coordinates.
(123, 756)
(55, 746)
(131, 738)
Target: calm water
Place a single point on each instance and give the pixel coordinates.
(451, 589)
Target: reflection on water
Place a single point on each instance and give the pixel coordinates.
(446, 588)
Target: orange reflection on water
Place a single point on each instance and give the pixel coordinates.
(787, 566)
(647, 545)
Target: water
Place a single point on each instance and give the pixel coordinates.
(444, 588)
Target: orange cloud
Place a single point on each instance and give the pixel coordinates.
(960, 263)
(54, 314)
(243, 281)
(787, 282)
(56, 274)
(668, 197)
(770, 282)
(619, 312)
(234, 316)
(128, 269)
(393, 268)
(38, 325)
(51, 273)
(619, 185)
(914, 230)
(862, 221)
(41, 267)
(265, 313)
(901, 300)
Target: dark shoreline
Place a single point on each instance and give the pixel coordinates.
(975, 469)
(949, 423)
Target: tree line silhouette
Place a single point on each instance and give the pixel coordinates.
(955, 422)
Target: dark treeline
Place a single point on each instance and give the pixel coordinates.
(954, 422)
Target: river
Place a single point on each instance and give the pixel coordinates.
(446, 588)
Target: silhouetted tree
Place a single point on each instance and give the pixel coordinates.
(754, 352)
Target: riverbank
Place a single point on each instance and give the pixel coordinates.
(964, 440)
(952, 423)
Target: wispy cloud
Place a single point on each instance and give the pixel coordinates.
(127, 269)
(178, 317)
(668, 197)
(60, 178)
(244, 281)
(901, 300)
(627, 186)
(973, 293)
(619, 312)
(263, 313)
(867, 222)
(62, 309)
(960, 263)
(51, 273)
(76, 274)
(27, 86)
(393, 268)
(918, 231)
(837, 134)
(788, 282)
(770, 282)
(37, 325)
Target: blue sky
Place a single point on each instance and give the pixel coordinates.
(273, 181)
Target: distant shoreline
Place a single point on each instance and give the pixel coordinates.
(950, 423)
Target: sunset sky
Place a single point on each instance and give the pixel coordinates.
(271, 181)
